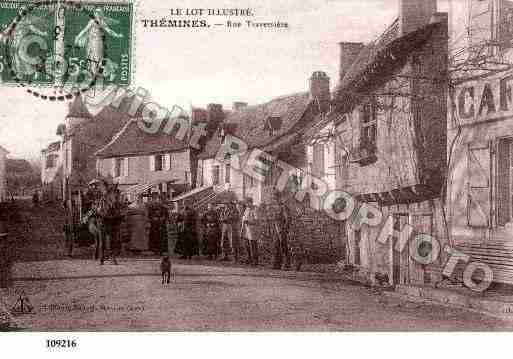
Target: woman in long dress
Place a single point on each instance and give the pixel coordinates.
(187, 245)
(91, 38)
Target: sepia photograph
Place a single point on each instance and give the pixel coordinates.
(255, 166)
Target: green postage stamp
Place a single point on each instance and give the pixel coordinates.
(66, 44)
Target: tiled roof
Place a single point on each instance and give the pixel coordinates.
(250, 123)
(131, 140)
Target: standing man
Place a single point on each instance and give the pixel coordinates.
(156, 216)
(229, 217)
(248, 231)
(284, 223)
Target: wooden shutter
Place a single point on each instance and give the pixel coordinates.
(126, 169)
(152, 163)
(113, 168)
(165, 162)
(479, 185)
(318, 160)
(503, 182)
(169, 158)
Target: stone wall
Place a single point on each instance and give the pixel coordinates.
(314, 237)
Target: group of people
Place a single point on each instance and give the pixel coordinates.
(173, 230)
(228, 229)
(224, 226)
(99, 222)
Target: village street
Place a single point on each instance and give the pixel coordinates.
(81, 295)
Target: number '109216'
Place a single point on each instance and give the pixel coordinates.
(61, 343)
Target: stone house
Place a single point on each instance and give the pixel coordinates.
(277, 128)
(141, 162)
(3, 184)
(384, 139)
(85, 133)
(51, 172)
(480, 145)
(274, 127)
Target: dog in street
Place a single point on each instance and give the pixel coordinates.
(165, 268)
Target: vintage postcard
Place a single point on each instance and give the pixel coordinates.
(256, 166)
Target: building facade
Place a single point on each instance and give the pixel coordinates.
(480, 146)
(384, 139)
(84, 134)
(141, 162)
(276, 128)
(51, 172)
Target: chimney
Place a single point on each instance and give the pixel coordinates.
(320, 89)
(199, 115)
(348, 53)
(215, 111)
(215, 115)
(239, 106)
(415, 14)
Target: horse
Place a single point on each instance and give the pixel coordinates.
(104, 221)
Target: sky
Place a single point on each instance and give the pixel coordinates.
(219, 65)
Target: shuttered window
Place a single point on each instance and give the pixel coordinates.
(479, 184)
(152, 163)
(369, 127)
(504, 181)
(227, 173)
(215, 175)
(126, 167)
(159, 162)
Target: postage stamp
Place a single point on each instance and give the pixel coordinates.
(100, 34)
(65, 45)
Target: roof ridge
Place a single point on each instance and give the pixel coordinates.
(282, 97)
(116, 136)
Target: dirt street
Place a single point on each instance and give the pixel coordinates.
(81, 295)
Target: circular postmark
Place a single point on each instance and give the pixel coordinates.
(39, 55)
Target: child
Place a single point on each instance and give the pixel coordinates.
(165, 267)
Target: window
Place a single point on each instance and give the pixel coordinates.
(51, 161)
(506, 25)
(296, 181)
(159, 162)
(368, 127)
(505, 182)
(478, 183)
(273, 125)
(215, 175)
(249, 181)
(168, 159)
(341, 163)
(118, 167)
(227, 173)
(269, 175)
(318, 169)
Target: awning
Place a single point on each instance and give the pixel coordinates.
(144, 187)
(190, 193)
